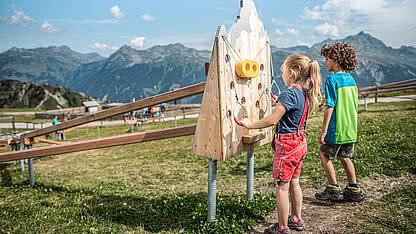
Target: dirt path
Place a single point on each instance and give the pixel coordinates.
(328, 217)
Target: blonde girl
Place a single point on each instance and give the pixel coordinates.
(303, 79)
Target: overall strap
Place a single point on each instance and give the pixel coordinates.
(305, 114)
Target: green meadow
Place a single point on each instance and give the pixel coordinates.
(161, 187)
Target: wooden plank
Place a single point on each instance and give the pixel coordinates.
(386, 85)
(387, 90)
(250, 139)
(207, 138)
(5, 142)
(165, 97)
(99, 143)
(38, 139)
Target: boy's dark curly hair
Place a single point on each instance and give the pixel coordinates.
(342, 53)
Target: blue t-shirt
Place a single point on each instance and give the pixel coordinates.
(55, 122)
(293, 99)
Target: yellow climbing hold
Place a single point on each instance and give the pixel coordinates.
(247, 68)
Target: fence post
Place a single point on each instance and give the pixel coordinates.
(14, 124)
(212, 189)
(30, 165)
(22, 161)
(87, 130)
(250, 173)
(376, 98)
(365, 103)
(98, 130)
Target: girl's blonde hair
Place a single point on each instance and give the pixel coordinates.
(306, 73)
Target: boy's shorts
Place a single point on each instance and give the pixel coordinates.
(290, 152)
(338, 150)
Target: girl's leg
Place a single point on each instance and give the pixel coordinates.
(296, 198)
(282, 203)
(328, 168)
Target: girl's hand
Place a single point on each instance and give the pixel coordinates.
(245, 122)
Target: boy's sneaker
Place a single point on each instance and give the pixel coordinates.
(275, 229)
(353, 194)
(298, 226)
(333, 193)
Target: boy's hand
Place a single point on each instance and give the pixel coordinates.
(322, 138)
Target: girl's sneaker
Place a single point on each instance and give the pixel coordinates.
(298, 226)
(275, 229)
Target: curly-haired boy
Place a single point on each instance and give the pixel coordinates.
(339, 130)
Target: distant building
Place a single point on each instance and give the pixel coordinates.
(91, 106)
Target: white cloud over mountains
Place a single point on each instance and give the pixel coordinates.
(50, 28)
(19, 18)
(116, 12)
(137, 42)
(382, 18)
(148, 17)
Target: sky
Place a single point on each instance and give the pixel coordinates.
(103, 26)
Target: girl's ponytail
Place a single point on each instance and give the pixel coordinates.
(315, 84)
(306, 73)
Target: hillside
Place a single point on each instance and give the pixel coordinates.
(42, 65)
(16, 94)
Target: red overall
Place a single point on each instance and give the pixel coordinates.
(290, 150)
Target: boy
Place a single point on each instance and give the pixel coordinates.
(339, 130)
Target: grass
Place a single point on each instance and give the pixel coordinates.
(19, 110)
(161, 186)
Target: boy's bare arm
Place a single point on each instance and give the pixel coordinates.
(327, 116)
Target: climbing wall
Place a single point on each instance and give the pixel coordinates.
(233, 92)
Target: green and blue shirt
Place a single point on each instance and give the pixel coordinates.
(341, 93)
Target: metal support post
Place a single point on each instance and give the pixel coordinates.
(98, 131)
(250, 173)
(30, 164)
(76, 132)
(87, 130)
(22, 162)
(212, 189)
(365, 103)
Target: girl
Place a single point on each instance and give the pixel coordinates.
(302, 76)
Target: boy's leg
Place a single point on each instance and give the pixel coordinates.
(349, 169)
(296, 199)
(328, 168)
(282, 203)
(332, 191)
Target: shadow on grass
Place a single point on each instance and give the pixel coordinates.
(155, 213)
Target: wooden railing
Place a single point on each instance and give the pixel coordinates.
(387, 88)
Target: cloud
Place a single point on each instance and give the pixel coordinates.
(278, 32)
(19, 18)
(115, 11)
(292, 31)
(327, 30)
(312, 14)
(99, 45)
(382, 18)
(50, 28)
(148, 17)
(137, 42)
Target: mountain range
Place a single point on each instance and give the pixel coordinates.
(129, 73)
